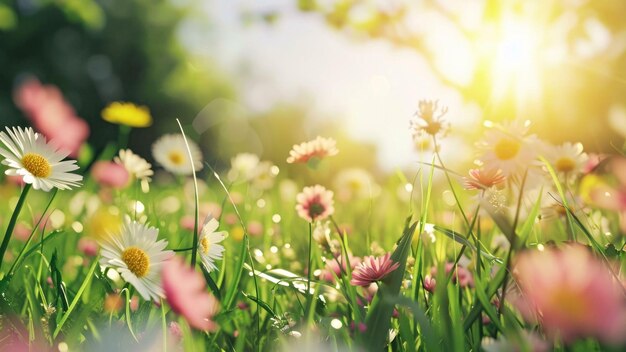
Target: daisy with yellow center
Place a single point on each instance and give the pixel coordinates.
(170, 151)
(508, 148)
(137, 255)
(28, 155)
(209, 248)
(127, 114)
(567, 159)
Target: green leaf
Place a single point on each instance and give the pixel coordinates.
(379, 315)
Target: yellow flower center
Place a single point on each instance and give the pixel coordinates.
(176, 157)
(136, 260)
(570, 303)
(37, 165)
(205, 244)
(565, 165)
(507, 149)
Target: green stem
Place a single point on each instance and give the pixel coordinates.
(310, 269)
(122, 137)
(16, 213)
(194, 252)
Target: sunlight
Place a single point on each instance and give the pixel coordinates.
(515, 62)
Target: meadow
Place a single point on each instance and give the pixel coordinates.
(522, 252)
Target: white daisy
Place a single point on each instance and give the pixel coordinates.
(170, 151)
(28, 155)
(567, 159)
(137, 255)
(508, 148)
(208, 246)
(136, 166)
(243, 167)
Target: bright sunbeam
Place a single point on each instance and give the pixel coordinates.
(515, 64)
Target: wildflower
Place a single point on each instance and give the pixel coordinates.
(185, 290)
(606, 196)
(137, 255)
(461, 275)
(429, 283)
(508, 148)
(335, 267)
(314, 203)
(264, 175)
(127, 114)
(52, 115)
(571, 293)
(567, 159)
(243, 167)
(427, 122)
(318, 148)
(28, 155)
(373, 269)
(355, 183)
(209, 247)
(483, 179)
(110, 174)
(137, 167)
(171, 152)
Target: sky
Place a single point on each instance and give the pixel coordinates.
(373, 86)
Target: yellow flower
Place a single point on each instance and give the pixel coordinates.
(127, 114)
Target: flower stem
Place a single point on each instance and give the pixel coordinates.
(16, 213)
(309, 270)
(122, 137)
(196, 199)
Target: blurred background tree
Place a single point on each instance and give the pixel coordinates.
(101, 51)
(558, 63)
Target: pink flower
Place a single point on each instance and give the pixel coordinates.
(186, 293)
(318, 148)
(314, 203)
(372, 270)
(88, 246)
(571, 294)
(255, 228)
(430, 283)
(483, 179)
(337, 266)
(462, 276)
(609, 197)
(51, 115)
(110, 174)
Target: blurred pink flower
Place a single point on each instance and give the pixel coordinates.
(318, 148)
(314, 203)
(50, 114)
(110, 174)
(373, 269)
(483, 178)
(609, 197)
(429, 283)
(255, 228)
(185, 291)
(88, 246)
(462, 275)
(571, 294)
(333, 266)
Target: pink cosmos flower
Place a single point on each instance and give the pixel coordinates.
(186, 293)
(110, 174)
(314, 203)
(50, 114)
(373, 269)
(571, 294)
(318, 148)
(483, 179)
